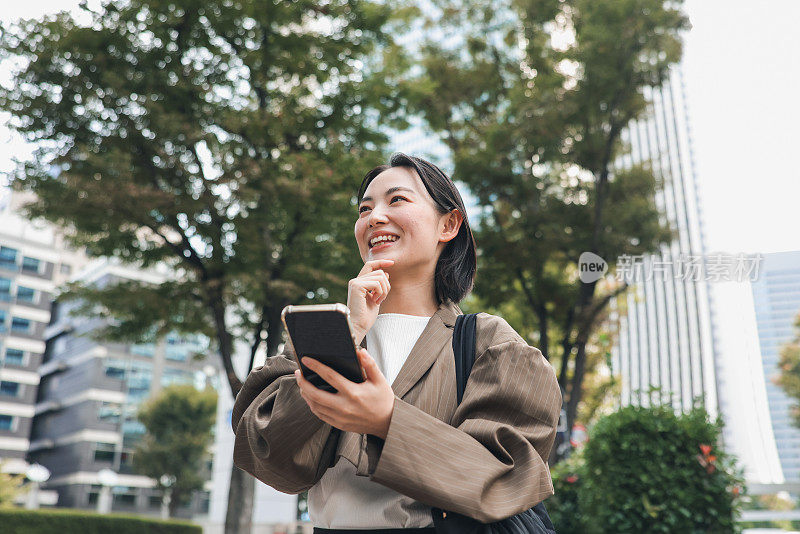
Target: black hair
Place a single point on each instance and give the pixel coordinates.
(457, 264)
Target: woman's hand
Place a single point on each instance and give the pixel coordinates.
(365, 293)
(363, 408)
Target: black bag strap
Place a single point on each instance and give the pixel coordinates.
(464, 350)
(464, 336)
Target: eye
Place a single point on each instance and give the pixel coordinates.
(362, 208)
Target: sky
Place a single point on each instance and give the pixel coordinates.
(742, 73)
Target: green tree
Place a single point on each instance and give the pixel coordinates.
(224, 139)
(10, 487)
(788, 376)
(532, 96)
(179, 422)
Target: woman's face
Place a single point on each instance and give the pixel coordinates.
(396, 202)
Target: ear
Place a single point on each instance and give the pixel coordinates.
(452, 224)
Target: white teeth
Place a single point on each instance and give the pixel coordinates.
(382, 238)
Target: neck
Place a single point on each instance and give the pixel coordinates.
(415, 296)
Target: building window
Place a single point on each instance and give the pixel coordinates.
(18, 324)
(104, 452)
(2, 320)
(177, 354)
(143, 349)
(109, 412)
(154, 501)
(132, 432)
(66, 268)
(139, 380)
(205, 502)
(8, 258)
(126, 458)
(30, 265)
(172, 376)
(26, 294)
(5, 289)
(15, 357)
(94, 492)
(10, 389)
(127, 497)
(6, 422)
(115, 369)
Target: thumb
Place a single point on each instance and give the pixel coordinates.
(368, 363)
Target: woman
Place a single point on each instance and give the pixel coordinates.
(377, 455)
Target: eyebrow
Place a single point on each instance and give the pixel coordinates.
(390, 191)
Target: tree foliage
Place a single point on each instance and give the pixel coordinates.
(10, 487)
(224, 139)
(788, 377)
(178, 423)
(531, 96)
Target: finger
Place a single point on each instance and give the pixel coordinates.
(307, 389)
(327, 374)
(317, 398)
(372, 265)
(369, 365)
(303, 384)
(380, 274)
(323, 412)
(373, 289)
(382, 278)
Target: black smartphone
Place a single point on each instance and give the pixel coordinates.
(323, 332)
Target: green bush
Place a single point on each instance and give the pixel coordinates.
(81, 522)
(649, 470)
(563, 506)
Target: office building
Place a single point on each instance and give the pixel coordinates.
(34, 261)
(676, 331)
(776, 297)
(85, 413)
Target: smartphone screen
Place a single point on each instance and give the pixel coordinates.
(323, 334)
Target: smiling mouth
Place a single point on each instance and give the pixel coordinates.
(384, 244)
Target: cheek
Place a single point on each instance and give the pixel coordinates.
(421, 231)
(358, 230)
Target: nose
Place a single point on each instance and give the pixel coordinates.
(376, 215)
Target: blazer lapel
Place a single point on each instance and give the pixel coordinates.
(434, 338)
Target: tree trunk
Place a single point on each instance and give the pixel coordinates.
(241, 495)
(239, 516)
(577, 383)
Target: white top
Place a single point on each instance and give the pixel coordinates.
(342, 499)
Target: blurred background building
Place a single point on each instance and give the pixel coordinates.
(89, 393)
(33, 262)
(670, 331)
(67, 401)
(776, 298)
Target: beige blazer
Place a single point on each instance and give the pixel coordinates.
(486, 458)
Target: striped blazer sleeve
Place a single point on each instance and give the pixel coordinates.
(278, 439)
(492, 462)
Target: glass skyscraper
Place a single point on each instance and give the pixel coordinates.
(686, 324)
(665, 337)
(776, 296)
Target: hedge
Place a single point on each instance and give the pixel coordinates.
(15, 521)
(648, 469)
